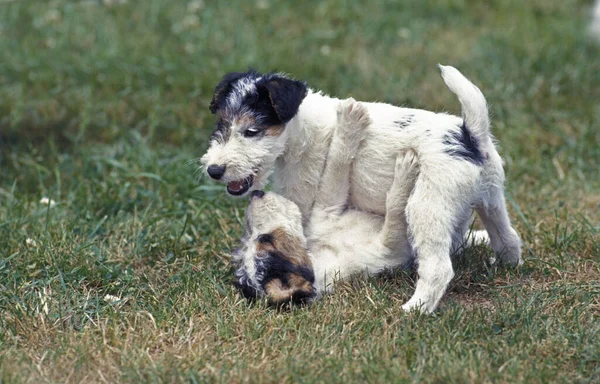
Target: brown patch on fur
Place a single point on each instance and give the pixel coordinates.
(299, 283)
(290, 247)
(264, 247)
(246, 120)
(274, 85)
(278, 292)
(274, 130)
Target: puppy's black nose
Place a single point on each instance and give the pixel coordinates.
(258, 193)
(216, 171)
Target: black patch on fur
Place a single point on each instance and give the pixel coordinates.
(298, 298)
(276, 100)
(272, 266)
(464, 145)
(223, 88)
(405, 121)
(278, 267)
(265, 238)
(260, 106)
(246, 290)
(285, 95)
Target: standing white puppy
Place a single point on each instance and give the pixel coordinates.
(268, 122)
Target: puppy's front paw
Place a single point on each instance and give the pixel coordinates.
(416, 306)
(353, 114)
(407, 165)
(353, 120)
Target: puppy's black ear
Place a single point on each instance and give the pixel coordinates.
(286, 95)
(222, 89)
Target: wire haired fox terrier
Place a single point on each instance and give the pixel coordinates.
(270, 123)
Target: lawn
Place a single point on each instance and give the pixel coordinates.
(114, 249)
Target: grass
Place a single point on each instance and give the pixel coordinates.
(103, 108)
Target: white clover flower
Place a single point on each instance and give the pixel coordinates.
(189, 48)
(52, 16)
(185, 24)
(196, 5)
(114, 2)
(31, 242)
(190, 21)
(47, 201)
(51, 43)
(403, 32)
(111, 298)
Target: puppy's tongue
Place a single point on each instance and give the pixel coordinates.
(236, 186)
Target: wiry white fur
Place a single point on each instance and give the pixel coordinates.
(346, 241)
(242, 88)
(263, 216)
(244, 157)
(340, 241)
(446, 191)
(472, 102)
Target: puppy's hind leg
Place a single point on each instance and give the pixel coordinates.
(434, 205)
(395, 229)
(502, 236)
(491, 209)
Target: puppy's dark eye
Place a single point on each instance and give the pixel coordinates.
(251, 132)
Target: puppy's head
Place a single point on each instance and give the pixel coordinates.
(252, 110)
(272, 260)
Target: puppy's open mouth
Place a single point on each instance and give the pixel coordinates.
(238, 188)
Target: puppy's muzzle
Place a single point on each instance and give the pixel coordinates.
(216, 171)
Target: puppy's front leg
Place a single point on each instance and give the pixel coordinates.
(395, 229)
(353, 121)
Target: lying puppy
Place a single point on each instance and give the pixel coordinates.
(272, 123)
(280, 260)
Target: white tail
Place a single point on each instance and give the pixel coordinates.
(472, 101)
